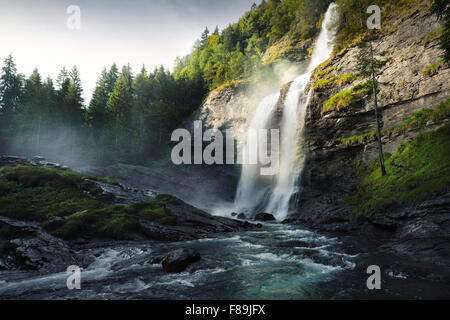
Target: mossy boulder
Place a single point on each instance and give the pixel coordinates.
(38, 193)
(71, 204)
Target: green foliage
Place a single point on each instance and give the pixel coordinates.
(11, 86)
(129, 118)
(237, 51)
(118, 222)
(109, 222)
(11, 90)
(353, 18)
(365, 62)
(416, 121)
(36, 193)
(431, 70)
(442, 9)
(417, 171)
(433, 36)
(167, 198)
(330, 81)
(419, 120)
(348, 99)
(357, 139)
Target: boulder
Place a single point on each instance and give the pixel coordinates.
(264, 217)
(178, 260)
(242, 216)
(54, 223)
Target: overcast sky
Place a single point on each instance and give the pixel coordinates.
(150, 32)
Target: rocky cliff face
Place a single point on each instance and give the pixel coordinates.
(412, 79)
(339, 133)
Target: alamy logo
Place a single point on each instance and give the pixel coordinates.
(374, 281)
(74, 20)
(374, 21)
(259, 149)
(74, 280)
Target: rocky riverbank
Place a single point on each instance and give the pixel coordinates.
(41, 231)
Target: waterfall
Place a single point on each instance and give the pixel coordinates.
(254, 192)
(251, 189)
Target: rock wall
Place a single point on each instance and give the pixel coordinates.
(406, 86)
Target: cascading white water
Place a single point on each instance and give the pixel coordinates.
(250, 183)
(251, 195)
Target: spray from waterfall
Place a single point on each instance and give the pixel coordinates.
(254, 193)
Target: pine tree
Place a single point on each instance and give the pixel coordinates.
(33, 109)
(142, 94)
(63, 77)
(11, 86)
(442, 9)
(97, 114)
(204, 38)
(119, 106)
(113, 74)
(368, 66)
(74, 108)
(11, 89)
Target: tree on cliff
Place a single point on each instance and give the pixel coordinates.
(442, 9)
(369, 66)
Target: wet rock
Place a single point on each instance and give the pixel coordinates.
(27, 247)
(233, 214)
(156, 260)
(54, 223)
(384, 223)
(35, 161)
(242, 216)
(264, 217)
(13, 160)
(178, 260)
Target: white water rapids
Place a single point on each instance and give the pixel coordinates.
(256, 194)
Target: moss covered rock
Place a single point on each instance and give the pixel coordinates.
(419, 170)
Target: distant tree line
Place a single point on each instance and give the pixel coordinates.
(129, 118)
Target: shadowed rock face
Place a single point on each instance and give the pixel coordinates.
(204, 187)
(422, 231)
(25, 246)
(264, 217)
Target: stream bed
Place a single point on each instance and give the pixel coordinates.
(275, 262)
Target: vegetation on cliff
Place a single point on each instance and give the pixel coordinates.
(442, 9)
(417, 171)
(330, 81)
(353, 18)
(238, 50)
(348, 99)
(417, 121)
